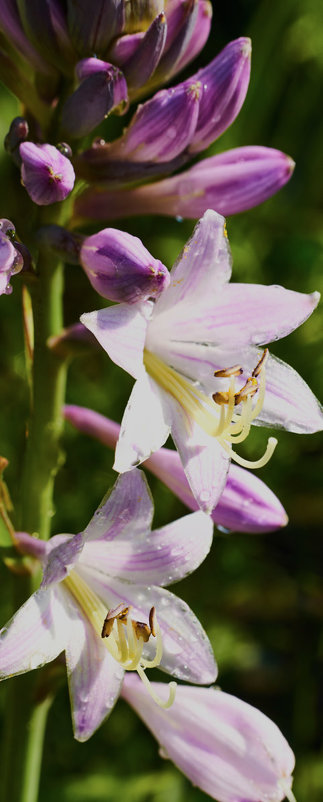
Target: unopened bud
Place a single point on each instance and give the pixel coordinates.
(47, 175)
(120, 268)
(18, 132)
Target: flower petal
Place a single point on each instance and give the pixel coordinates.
(94, 678)
(226, 747)
(161, 557)
(121, 330)
(145, 425)
(63, 552)
(201, 270)
(35, 635)
(289, 403)
(126, 514)
(187, 652)
(205, 462)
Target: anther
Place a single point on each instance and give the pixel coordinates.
(248, 390)
(236, 370)
(261, 363)
(141, 630)
(221, 398)
(153, 621)
(119, 612)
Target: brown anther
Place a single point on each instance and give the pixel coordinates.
(236, 370)
(248, 389)
(119, 612)
(141, 630)
(261, 363)
(221, 398)
(153, 621)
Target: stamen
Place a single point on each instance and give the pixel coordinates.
(217, 416)
(123, 637)
(287, 790)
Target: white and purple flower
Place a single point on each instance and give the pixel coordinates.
(91, 581)
(199, 372)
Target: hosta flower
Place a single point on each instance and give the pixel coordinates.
(46, 173)
(102, 600)
(224, 746)
(246, 504)
(11, 260)
(199, 371)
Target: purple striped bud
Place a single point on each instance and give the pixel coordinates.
(224, 85)
(10, 24)
(231, 182)
(120, 268)
(98, 94)
(176, 47)
(199, 35)
(225, 746)
(92, 27)
(163, 127)
(142, 63)
(11, 260)
(246, 504)
(47, 175)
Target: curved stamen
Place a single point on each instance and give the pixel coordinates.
(172, 690)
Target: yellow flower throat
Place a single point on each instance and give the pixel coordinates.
(218, 415)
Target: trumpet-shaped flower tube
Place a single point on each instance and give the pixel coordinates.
(120, 268)
(102, 600)
(246, 504)
(226, 747)
(47, 175)
(199, 372)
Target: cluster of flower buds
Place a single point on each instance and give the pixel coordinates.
(11, 255)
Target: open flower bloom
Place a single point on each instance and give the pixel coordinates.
(102, 601)
(199, 371)
(226, 747)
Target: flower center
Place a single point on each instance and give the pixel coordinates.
(218, 415)
(123, 637)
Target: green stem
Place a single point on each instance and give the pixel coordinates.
(25, 714)
(43, 455)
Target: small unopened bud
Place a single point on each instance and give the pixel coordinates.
(18, 132)
(120, 268)
(47, 175)
(64, 243)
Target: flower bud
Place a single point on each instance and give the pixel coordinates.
(163, 127)
(11, 260)
(225, 746)
(66, 244)
(47, 175)
(246, 504)
(224, 84)
(231, 182)
(92, 27)
(142, 63)
(120, 268)
(97, 95)
(18, 132)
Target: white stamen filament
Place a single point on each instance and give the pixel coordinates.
(287, 790)
(217, 419)
(122, 643)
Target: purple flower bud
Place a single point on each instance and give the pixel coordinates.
(120, 268)
(176, 47)
(231, 182)
(199, 35)
(224, 86)
(18, 132)
(64, 243)
(125, 47)
(47, 175)
(225, 746)
(92, 27)
(142, 64)
(11, 26)
(163, 127)
(97, 95)
(246, 504)
(11, 260)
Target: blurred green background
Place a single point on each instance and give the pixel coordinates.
(259, 597)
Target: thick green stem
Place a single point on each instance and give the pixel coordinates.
(26, 714)
(43, 456)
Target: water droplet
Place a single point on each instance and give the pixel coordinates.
(224, 530)
(179, 218)
(204, 495)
